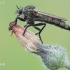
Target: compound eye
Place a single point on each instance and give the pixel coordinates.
(20, 12)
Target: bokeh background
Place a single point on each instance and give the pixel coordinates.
(12, 54)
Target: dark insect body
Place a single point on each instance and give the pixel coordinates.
(29, 14)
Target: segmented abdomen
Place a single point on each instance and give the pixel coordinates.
(53, 21)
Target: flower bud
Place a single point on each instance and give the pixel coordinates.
(27, 40)
(54, 57)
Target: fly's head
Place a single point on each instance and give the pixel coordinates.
(20, 13)
(23, 13)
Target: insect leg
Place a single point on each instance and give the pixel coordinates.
(16, 20)
(43, 27)
(40, 30)
(37, 28)
(40, 24)
(39, 34)
(40, 38)
(26, 26)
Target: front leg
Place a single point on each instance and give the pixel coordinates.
(16, 20)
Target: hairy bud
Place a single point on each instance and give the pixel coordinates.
(54, 57)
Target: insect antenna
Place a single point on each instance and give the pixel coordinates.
(17, 7)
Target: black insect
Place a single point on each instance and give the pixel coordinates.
(30, 15)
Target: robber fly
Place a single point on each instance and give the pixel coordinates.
(30, 15)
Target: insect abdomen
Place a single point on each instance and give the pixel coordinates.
(54, 21)
(58, 22)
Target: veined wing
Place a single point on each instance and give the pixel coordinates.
(38, 13)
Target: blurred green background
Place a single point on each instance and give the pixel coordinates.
(12, 54)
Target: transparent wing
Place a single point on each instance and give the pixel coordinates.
(38, 13)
